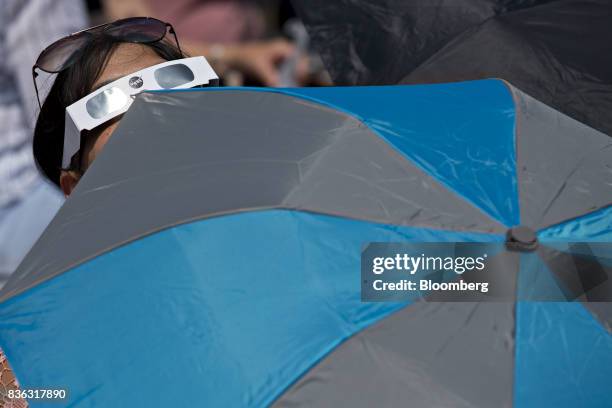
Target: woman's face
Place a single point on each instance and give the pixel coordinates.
(126, 59)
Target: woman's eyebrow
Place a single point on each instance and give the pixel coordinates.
(104, 83)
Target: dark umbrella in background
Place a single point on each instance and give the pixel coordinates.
(557, 51)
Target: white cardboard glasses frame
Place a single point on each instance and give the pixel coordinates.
(116, 98)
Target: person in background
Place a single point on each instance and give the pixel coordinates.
(27, 203)
(229, 33)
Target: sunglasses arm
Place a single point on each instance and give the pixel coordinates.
(34, 75)
(171, 29)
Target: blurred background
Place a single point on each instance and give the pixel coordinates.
(248, 42)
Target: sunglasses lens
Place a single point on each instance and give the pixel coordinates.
(173, 76)
(106, 102)
(60, 53)
(138, 29)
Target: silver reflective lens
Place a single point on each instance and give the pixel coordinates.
(106, 102)
(173, 76)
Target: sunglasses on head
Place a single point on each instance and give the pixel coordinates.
(64, 52)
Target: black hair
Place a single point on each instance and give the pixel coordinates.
(72, 84)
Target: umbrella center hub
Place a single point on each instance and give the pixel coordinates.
(521, 238)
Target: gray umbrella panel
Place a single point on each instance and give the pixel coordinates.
(229, 151)
(425, 355)
(564, 167)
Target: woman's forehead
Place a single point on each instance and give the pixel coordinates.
(126, 59)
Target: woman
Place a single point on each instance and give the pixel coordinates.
(84, 62)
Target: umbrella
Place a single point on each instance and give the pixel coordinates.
(211, 254)
(555, 50)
